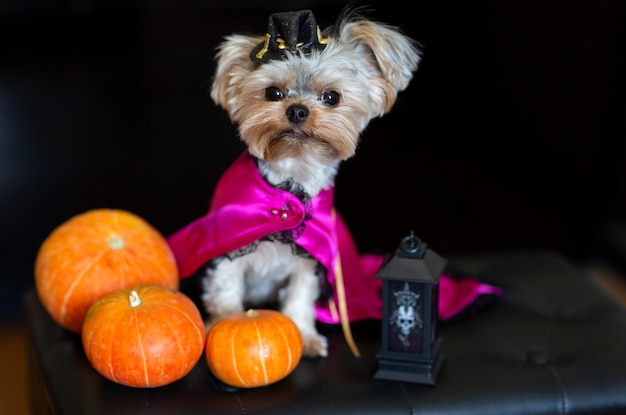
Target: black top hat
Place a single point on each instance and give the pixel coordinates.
(289, 32)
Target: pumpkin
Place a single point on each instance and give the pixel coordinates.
(145, 336)
(96, 253)
(253, 348)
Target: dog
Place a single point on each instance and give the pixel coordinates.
(300, 98)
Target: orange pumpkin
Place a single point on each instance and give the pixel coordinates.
(145, 336)
(253, 348)
(96, 253)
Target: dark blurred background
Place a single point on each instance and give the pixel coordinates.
(511, 135)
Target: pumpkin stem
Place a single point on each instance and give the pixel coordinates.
(133, 299)
(251, 313)
(116, 242)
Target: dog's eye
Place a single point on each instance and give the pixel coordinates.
(330, 98)
(274, 94)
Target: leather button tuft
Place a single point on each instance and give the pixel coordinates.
(538, 358)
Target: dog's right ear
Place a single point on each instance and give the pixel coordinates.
(233, 64)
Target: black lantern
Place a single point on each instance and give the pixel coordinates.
(410, 323)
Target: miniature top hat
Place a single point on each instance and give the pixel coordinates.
(289, 32)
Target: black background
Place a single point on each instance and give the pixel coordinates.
(511, 135)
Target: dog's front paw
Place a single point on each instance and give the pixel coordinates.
(314, 345)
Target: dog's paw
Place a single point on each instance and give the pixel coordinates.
(314, 345)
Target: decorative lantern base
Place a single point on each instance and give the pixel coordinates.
(405, 370)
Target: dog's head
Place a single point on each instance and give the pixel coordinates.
(299, 93)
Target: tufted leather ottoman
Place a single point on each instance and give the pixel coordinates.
(556, 346)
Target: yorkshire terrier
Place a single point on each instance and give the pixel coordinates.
(300, 98)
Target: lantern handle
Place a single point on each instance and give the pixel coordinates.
(411, 244)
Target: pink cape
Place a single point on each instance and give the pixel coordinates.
(245, 208)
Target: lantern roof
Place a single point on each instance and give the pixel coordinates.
(413, 262)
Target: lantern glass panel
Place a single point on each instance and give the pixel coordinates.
(406, 324)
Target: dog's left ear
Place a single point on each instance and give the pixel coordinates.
(396, 55)
(233, 65)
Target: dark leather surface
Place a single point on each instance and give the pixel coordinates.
(556, 346)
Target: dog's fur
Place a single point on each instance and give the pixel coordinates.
(300, 117)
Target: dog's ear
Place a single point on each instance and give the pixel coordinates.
(233, 64)
(396, 55)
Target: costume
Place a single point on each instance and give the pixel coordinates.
(245, 208)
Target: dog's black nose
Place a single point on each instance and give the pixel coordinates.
(297, 113)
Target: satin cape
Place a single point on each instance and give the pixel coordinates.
(245, 208)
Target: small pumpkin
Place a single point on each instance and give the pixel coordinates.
(145, 336)
(96, 253)
(253, 348)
